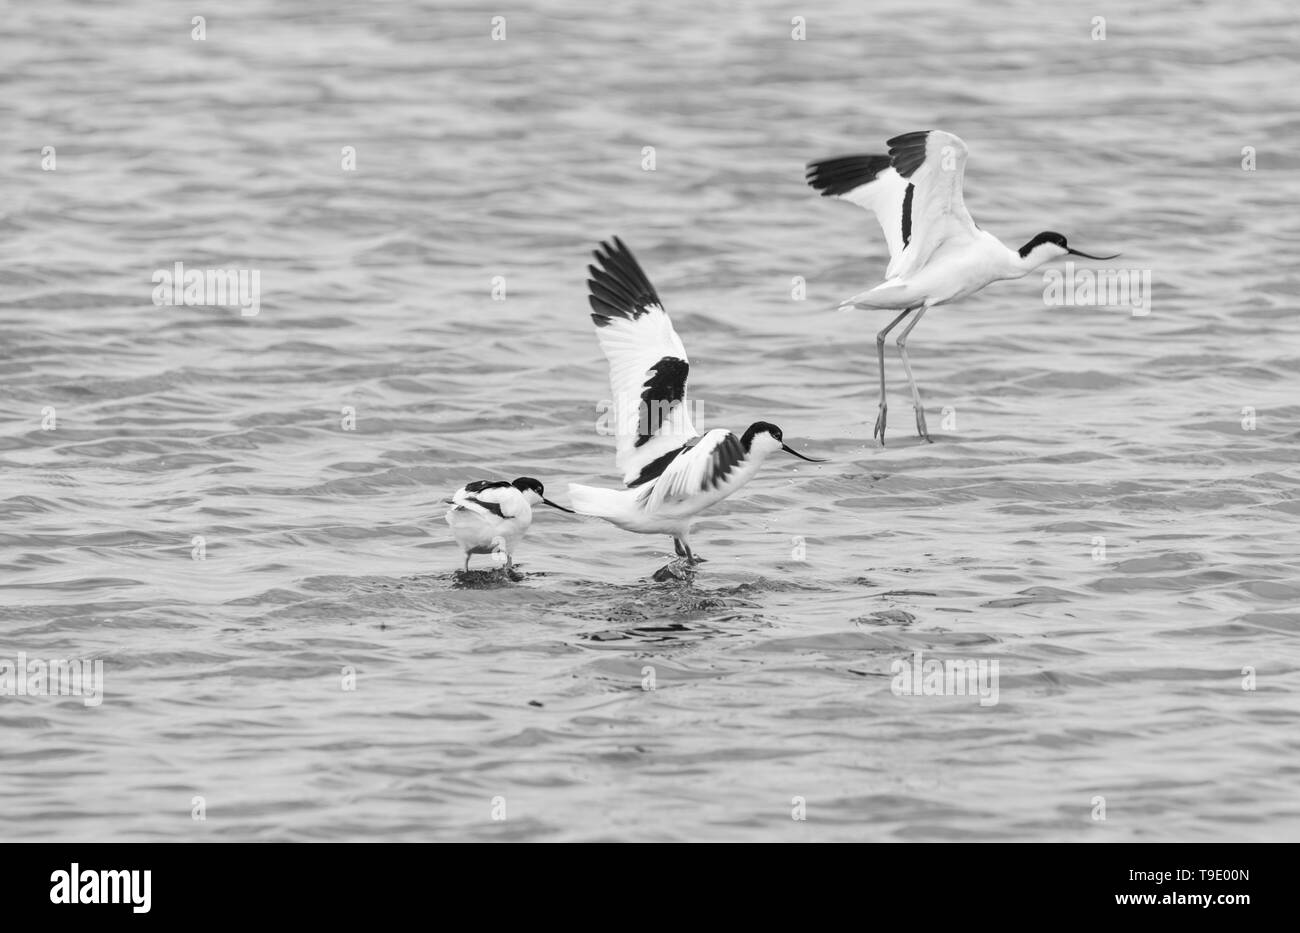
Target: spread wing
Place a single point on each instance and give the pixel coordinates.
(647, 362)
(934, 163)
(915, 193)
(868, 181)
(699, 467)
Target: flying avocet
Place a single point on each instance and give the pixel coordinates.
(487, 516)
(671, 472)
(937, 254)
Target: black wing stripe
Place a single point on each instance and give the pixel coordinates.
(493, 507)
(619, 288)
(662, 392)
(726, 456)
(480, 484)
(655, 468)
(908, 152)
(907, 214)
(833, 177)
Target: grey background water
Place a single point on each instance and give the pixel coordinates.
(1120, 677)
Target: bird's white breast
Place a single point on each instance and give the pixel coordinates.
(958, 269)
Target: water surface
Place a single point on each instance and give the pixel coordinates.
(1121, 674)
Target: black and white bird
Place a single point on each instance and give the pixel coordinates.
(671, 473)
(937, 253)
(492, 517)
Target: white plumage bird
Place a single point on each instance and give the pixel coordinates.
(488, 517)
(671, 472)
(937, 253)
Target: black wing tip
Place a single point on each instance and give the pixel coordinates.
(907, 151)
(614, 253)
(618, 286)
(613, 250)
(904, 139)
(841, 174)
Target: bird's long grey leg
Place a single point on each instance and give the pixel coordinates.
(467, 561)
(686, 550)
(677, 546)
(907, 367)
(880, 354)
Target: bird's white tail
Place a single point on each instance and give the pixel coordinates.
(603, 503)
(886, 297)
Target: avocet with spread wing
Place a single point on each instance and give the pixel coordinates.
(937, 253)
(671, 472)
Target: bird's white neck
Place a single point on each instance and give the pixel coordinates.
(1019, 266)
(761, 446)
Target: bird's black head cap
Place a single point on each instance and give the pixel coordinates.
(759, 427)
(525, 483)
(1047, 236)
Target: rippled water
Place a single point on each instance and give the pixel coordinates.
(1121, 674)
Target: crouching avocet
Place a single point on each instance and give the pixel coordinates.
(488, 516)
(672, 473)
(936, 253)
